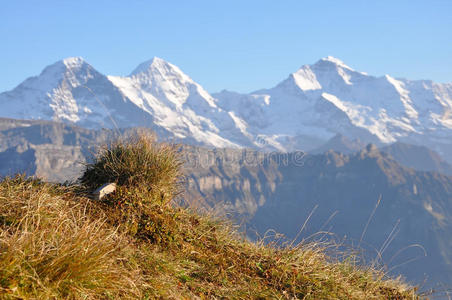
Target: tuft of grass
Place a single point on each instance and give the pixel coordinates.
(148, 175)
(55, 242)
(138, 163)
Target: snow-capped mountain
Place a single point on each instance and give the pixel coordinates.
(319, 101)
(305, 110)
(157, 94)
(180, 105)
(71, 91)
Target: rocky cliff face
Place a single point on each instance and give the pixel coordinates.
(231, 181)
(51, 150)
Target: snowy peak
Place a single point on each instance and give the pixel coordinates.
(70, 90)
(158, 67)
(326, 72)
(74, 62)
(166, 82)
(68, 64)
(328, 97)
(332, 62)
(180, 105)
(73, 70)
(148, 65)
(161, 77)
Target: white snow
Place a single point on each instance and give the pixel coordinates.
(306, 79)
(312, 105)
(337, 62)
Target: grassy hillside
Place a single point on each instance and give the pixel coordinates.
(57, 242)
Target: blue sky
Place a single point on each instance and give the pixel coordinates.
(234, 45)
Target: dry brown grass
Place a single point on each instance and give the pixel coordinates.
(51, 247)
(211, 260)
(138, 162)
(57, 243)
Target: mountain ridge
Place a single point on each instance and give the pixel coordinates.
(302, 112)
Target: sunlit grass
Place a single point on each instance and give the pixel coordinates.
(52, 245)
(56, 242)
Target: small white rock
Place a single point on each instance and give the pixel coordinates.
(104, 190)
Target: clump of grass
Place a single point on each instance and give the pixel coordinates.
(52, 247)
(141, 165)
(148, 176)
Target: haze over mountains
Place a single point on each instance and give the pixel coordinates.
(301, 113)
